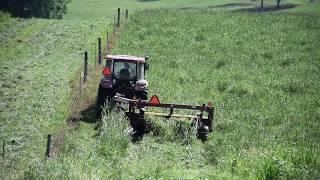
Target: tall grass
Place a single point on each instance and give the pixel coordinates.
(259, 70)
(262, 83)
(95, 158)
(114, 136)
(37, 58)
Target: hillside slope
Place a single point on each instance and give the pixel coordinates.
(261, 72)
(39, 60)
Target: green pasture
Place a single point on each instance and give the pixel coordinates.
(106, 9)
(39, 61)
(260, 70)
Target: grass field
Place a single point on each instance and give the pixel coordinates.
(264, 86)
(84, 9)
(261, 70)
(39, 59)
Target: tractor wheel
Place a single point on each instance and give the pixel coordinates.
(203, 132)
(101, 99)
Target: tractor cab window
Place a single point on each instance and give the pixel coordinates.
(125, 70)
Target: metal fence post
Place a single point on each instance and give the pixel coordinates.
(118, 24)
(85, 70)
(122, 17)
(3, 149)
(99, 51)
(95, 56)
(48, 146)
(127, 13)
(114, 27)
(107, 42)
(80, 83)
(107, 38)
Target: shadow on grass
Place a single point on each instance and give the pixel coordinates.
(89, 115)
(268, 8)
(247, 7)
(230, 5)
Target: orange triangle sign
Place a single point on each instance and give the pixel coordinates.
(154, 100)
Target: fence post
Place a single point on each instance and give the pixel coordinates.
(118, 24)
(85, 70)
(107, 38)
(80, 83)
(122, 16)
(107, 42)
(127, 13)
(114, 27)
(95, 56)
(99, 51)
(3, 149)
(48, 146)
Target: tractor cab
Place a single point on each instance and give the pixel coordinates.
(124, 67)
(124, 75)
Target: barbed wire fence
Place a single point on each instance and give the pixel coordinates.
(53, 150)
(55, 141)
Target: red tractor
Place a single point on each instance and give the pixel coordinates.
(124, 83)
(123, 75)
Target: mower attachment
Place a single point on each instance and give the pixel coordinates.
(137, 111)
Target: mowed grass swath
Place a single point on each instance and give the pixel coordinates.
(260, 71)
(39, 63)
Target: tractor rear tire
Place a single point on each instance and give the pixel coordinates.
(203, 132)
(101, 99)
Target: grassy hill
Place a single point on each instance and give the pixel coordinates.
(38, 59)
(87, 10)
(261, 70)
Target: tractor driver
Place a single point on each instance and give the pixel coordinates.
(124, 72)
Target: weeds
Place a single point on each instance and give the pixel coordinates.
(114, 137)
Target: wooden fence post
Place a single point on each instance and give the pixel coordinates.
(99, 51)
(48, 146)
(118, 24)
(85, 69)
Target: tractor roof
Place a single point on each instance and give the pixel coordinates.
(126, 58)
